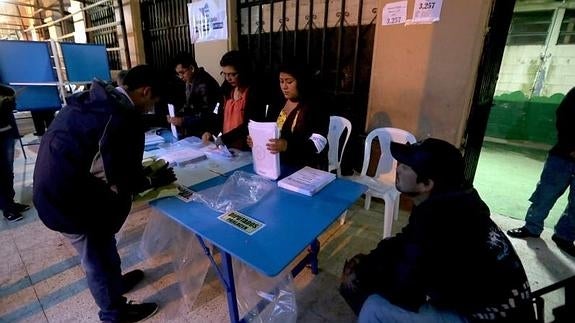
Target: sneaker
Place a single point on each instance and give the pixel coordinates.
(565, 245)
(18, 207)
(131, 279)
(13, 216)
(137, 312)
(521, 233)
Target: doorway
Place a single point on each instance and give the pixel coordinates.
(533, 78)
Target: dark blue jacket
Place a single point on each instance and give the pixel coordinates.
(89, 163)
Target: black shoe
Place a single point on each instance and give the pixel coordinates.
(13, 216)
(136, 312)
(564, 245)
(131, 279)
(521, 233)
(18, 207)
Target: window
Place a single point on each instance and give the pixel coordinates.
(567, 31)
(529, 28)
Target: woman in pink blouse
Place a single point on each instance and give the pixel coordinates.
(242, 100)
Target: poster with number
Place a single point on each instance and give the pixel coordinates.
(425, 11)
(208, 20)
(394, 13)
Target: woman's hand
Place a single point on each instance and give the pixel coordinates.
(277, 145)
(176, 121)
(250, 142)
(206, 137)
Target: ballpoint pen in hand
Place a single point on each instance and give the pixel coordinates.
(218, 140)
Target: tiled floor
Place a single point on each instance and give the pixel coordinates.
(41, 280)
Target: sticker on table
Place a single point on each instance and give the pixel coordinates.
(185, 194)
(241, 222)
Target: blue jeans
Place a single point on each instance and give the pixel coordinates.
(6, 170)
(377, 309)
(101, 262)
(558, 174)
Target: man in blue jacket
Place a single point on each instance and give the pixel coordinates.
(88, 168)
(450, 263)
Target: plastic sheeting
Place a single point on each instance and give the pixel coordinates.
(163, 237)
(239, 191)
(260, 298)
(264, 299)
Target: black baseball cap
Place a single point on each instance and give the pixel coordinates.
(432, 158)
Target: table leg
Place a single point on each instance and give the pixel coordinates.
(226, 275)
(231, 287)
(314, 251)
(310, 259)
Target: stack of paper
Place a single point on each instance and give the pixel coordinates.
(153, 139)
(266, 164)
(182, 157)
(307, 181)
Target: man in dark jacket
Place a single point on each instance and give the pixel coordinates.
(11, 210)
(203, 93)
(88, 168)
(558, 174)
(451, 263)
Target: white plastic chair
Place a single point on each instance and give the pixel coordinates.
(337, 125)
(382, 184)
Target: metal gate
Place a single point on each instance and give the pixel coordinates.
(165, 30)
(334, 37)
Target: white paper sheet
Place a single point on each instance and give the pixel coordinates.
(266, 164)
(426, 12)
(394, 13)
(172, 114)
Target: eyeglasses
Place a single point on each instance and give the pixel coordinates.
(182, 71)
(235, 74)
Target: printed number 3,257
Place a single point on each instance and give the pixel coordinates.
(426, 5)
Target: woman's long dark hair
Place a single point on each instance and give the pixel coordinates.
(302, 74)
(242, 65)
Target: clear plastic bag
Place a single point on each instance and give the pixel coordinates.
(165, 241)
(264, 299)
(240, 190)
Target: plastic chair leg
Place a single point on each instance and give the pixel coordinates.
(342, 218)
(388, 215)
(396, 209)
(367, 203)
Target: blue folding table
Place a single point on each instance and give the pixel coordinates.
(292, 223)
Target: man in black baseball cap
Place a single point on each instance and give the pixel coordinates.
(451, 263)
(434, 161)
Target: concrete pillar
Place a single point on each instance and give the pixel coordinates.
(423, 76)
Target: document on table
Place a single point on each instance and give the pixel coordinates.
(153, 139)
(307, 181)
(182, 157)
(266, 164)
(172, 113)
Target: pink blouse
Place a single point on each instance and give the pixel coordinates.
(234, 112)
